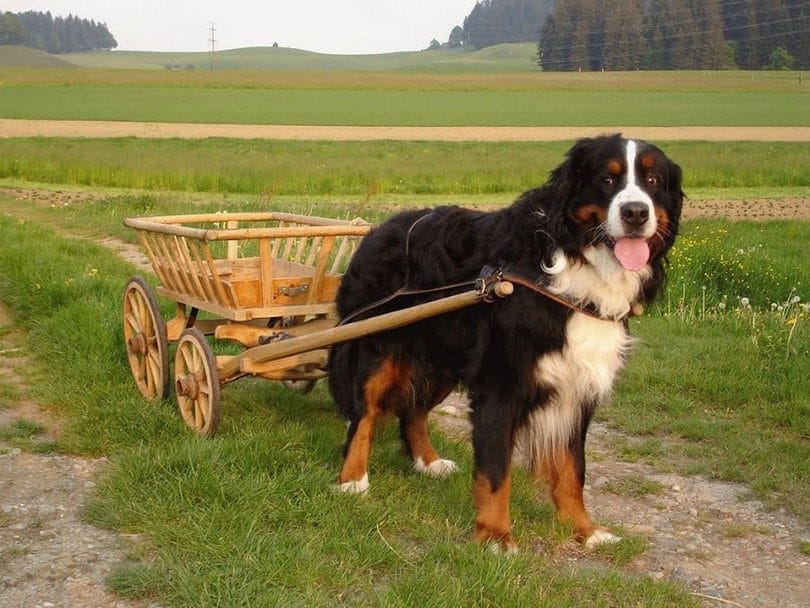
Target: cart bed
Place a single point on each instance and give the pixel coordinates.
(243, 266)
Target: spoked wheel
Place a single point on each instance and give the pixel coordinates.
(145, 338)
(197, 382)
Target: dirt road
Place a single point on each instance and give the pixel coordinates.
(78, 128)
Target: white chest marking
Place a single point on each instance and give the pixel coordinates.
(581, 374)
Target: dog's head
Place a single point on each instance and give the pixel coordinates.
(622, 194)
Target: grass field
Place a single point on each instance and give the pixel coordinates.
(503, 57)
(247, 519)
(407, 108)
(366, 169)
(499, 96)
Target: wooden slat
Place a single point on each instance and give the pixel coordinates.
(314, 294)
(184, 271)
(209, 291)
(266, 271)
(222, 297)
(233, 246)
(169, 263)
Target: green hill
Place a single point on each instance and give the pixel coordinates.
(499, 58)
(23, 57)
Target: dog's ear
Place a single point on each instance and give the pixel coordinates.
(674, 178)
(567, 178)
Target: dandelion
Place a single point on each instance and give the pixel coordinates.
(745, 302)
(773, 306)
(795, 300)
(721, 305)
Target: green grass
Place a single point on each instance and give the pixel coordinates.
(361, 169)
(351, 78)
(504, 57)
(247, 519)
(25, 435)
(405, 107)
(636, 486)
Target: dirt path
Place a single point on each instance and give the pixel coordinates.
(724, 547)
(49, 556)
(79, 128)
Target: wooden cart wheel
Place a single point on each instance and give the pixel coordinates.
(196, 379)
(145, 339)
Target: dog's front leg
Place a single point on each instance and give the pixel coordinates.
(492, 486)
(565, 472)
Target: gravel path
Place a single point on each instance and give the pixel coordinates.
(724, 547)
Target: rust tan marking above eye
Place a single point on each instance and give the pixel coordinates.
(590, 214)
(614, 166)
(648, 161)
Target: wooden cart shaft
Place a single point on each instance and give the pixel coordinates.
(232, 366)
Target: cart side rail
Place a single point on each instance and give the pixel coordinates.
(229, 262)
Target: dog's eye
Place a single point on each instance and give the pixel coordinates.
(608, 181)
(652, 180)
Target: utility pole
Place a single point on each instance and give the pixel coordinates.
(212, 40)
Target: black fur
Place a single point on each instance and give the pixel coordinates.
(489, 348)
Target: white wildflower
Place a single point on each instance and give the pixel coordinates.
(745, 302)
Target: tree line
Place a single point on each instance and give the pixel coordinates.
(646, 34)
(54, 34)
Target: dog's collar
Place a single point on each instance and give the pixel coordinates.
(636, 308)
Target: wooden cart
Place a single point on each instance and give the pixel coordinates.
(265, 281)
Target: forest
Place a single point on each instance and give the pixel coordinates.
(646, 34)
(54, 34)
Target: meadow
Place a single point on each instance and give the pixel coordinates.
(499, 97)
(247, 519)
(492, 171)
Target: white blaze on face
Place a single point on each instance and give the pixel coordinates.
(632, 192)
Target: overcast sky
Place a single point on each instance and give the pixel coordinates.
(326, 26)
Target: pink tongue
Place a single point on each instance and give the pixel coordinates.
(632, 253)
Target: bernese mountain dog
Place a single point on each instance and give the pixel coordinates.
(536, 364)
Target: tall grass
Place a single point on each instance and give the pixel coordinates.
(363, 168)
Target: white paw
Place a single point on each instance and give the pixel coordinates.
(437, 468)
(355, 486)
(498, 549)
(601, 537)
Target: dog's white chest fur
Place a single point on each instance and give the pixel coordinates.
(588, 363)
(580, 375)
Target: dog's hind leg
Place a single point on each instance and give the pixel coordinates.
(389, 376)
(414, 430)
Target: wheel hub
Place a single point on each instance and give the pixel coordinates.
(187, 386)
(137, 344)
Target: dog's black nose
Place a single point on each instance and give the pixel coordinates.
(635, 214)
